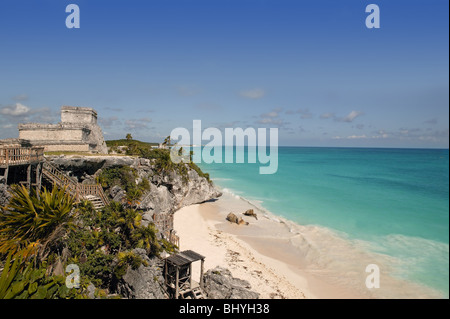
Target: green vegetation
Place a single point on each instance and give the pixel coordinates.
(33, 222)
(103, 242)
(19, 282)
(32, 228)
(41, 233)
(131, 146)
(194, 166)
(159, 157)
(124, 177)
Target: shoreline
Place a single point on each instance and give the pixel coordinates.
(269, 269)
(282, 259)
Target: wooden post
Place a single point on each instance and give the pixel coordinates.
(29, 176)
(201, 273)
(6, 174)
(177, 288)
(165, 273)
(38, 179)
(190, 275)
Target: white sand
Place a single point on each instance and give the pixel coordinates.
(281, 259)
(202, 228)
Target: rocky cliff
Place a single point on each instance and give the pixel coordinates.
(168, 191)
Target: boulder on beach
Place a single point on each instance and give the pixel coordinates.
(220, 284)
(234, 219)
(250, 212)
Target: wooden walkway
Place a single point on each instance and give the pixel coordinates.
(13, 155)
(93, 192)
(33, 157)
(16, 155)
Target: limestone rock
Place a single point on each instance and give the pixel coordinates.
(5, 195)
(220, 284)
(234, 219)
(158, 199)
(91, 291)
(146, 282)
(168, 193)
(81, 165)
(250, 212)
(117, 193)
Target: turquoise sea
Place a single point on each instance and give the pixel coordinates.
(394, 201)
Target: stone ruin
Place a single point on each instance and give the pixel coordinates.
(78, 131)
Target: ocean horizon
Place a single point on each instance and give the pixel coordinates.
(391, 202)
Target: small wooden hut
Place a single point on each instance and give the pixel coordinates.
(178, 274)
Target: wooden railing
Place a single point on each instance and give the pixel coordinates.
(62, 180)
(78, 190)
(170, 236)
(95, 190)
(163, 221)
(17, 155)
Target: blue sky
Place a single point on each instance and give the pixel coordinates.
(310, 68)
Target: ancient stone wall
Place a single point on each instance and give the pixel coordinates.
(52, 132)
(77, 131)
(81, 115)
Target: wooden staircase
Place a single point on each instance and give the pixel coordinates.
(93, 193)
(96, 201)
(197, 293)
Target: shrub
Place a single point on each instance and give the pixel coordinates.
(34, 221)
(28, 282)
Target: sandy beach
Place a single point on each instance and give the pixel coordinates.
(282, 259)
(259, 252)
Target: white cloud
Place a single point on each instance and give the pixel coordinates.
(272, 118)
(304, 113)
(137, 123)
(351, 116)
(253, 93)
(271, 114)
(15, 110)
(348, 119)
(327, 116)
(360, 137)
(351, 137)
(110, 121)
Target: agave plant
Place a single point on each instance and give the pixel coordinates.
(8, 274)
(129, 219)
(125, 259)
(21, 281)
(133, 196)
(33, 220)
(145, 237)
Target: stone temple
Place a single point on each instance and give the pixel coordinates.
(78, 131)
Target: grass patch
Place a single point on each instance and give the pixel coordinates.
(69, 153)
(125, 142)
